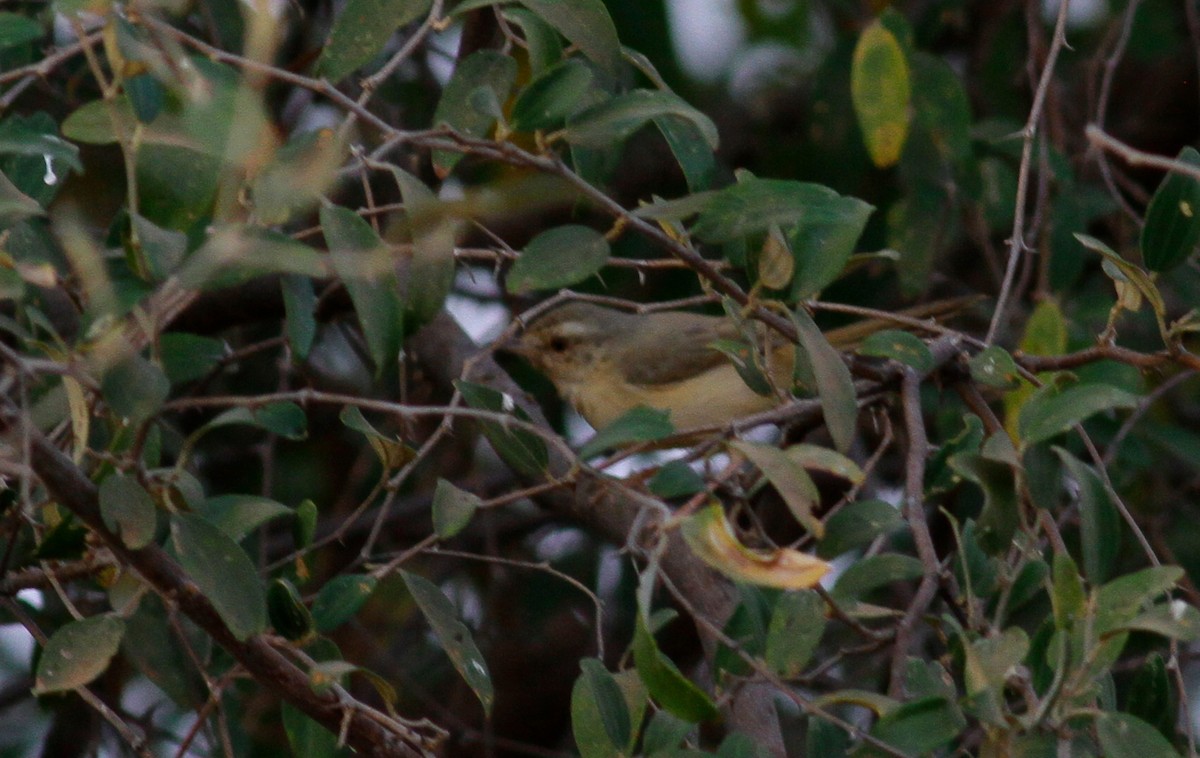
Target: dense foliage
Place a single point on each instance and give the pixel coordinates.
(261, 493)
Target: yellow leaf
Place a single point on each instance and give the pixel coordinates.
(712, 540)
(880, 90)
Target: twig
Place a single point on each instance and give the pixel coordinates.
(1016, 243)
(914, 514)
(136, 742)
(372, 734)
(1101, 115)
(1134, 157)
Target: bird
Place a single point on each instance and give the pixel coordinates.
(605, 362)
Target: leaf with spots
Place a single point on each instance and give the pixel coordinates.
(1172, 229)
(453, 635)
(78, 653)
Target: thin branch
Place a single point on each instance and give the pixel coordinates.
(136, 741)
(1016, 243)
(372, 734)
(914, 514)
(1134, 157)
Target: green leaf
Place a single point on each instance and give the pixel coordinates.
(176, 188)
(485, 68)
(340, 599)
(1067, 596)
(597, 687)
(998, 521)
(235, 254)
(822, 459)
(17, 30)
(797, 622)
(824, 738)
(285, 419)
(15, 205)
(857, 524)
(1099, 522)
(1124, 272)
(296, 177)
(146, 96)
(692, 152)
(26, 143)
(521, 449)
(1171, 231)
(452, 508)
(77, 653)
(360, 32)
(988, 663)
(675, 479)
(22, 137)
(135, 388)
(665, 732)
(879, 88)
(222, 571)
(299, 305)
(1175, 620)
(822, 248)
(1119, 601)
(994, 367)
(156, 252)
(558, 257)
(544, 46)
(307, 738)
(793, 483)
(587, 25)
(641, 424)
(616, 119)
(920, 726)
(874, 572)
(941, 107)
(1151, 696)
(187, 358)
(552, 96)
(1124, 736)
(304, 528)
(835, 386)
(1046, 330)
(755, 205)
(128, 510)
(431, 268)
(167, 660)
(899, 346)
(1051, 413)
(393, 453)
(453, 635)
(365, 265)
(239, 515)
(286, 611)
(666, 684)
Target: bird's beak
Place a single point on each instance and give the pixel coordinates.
(516, 345)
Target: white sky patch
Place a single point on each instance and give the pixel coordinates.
(440, 54)
(481, 321)
(1082, 14)
(705, 34)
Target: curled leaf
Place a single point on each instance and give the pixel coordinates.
(709, 535)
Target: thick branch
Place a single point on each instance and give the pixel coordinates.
(369, 732)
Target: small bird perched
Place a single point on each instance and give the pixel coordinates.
(605, 362)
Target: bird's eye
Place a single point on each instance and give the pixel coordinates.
(558, 344)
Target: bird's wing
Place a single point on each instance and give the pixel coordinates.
(646, 363)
